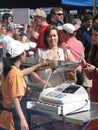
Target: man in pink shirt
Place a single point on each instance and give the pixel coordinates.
(70, 41)
(76, 48)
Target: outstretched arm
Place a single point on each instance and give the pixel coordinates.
(29, 70)
(88, 69)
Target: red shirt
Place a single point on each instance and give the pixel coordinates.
(40, 43)
(94, 91)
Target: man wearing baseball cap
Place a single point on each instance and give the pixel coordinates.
(16, 29)
(12, 31)
(70, 41)
(40, 13)
(40, 20)
(74, 46)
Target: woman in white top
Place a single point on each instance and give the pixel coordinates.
(51, 51)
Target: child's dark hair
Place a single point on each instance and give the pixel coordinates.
(7, 63)
(6, 66)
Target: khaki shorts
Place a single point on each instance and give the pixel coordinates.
(87, 82)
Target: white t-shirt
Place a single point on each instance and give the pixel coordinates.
(56, 78)
(31, 45)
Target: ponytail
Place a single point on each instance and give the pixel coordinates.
(6, 66)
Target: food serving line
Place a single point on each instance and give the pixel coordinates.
(67, 102)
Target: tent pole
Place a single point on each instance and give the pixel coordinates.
(94, 8)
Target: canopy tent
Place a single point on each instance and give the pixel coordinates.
(44, 3)
(83, 3)
(80, 5)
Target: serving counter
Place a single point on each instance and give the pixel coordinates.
(77, 121)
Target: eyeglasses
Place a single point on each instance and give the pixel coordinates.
(59, 14)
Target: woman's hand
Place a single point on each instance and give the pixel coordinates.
(87, 68)
(44, 62)
(79, 69)
(83, 63)
(48, 84)
(90, 68)
(71, 76)
(89, 71)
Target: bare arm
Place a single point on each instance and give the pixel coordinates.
(18, 109)
(88, 69)
(70, 57)
(29, 70)
(37, 77)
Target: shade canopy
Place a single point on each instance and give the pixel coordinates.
(84, 3)
(45, 3)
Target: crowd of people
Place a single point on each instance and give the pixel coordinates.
(47, 37)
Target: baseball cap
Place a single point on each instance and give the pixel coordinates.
(16, 48)
(68, 27)
(14, 26)
(40, 13)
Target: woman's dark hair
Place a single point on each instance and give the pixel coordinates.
(46, 34)
(7, 63)
(95, 27)
(96, 17)
(93, 58)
